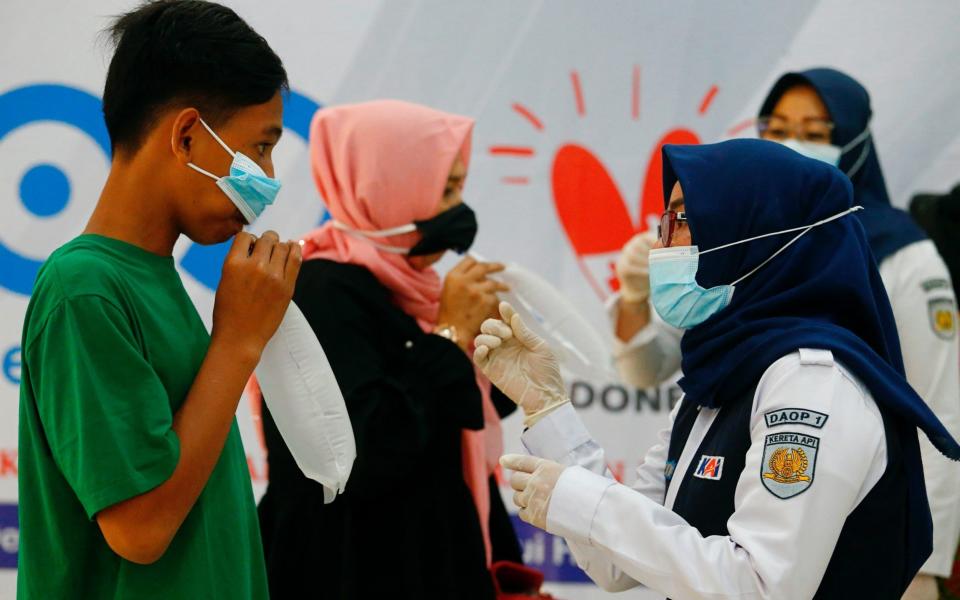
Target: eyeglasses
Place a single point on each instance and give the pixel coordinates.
(668, 225)
(809, 130)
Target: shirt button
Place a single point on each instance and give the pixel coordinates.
(408, 345)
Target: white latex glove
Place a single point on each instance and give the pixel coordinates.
(633, 267)
(520, 364)
(533, 479)
(923, 587)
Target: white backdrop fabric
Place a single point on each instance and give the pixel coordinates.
(572, 101)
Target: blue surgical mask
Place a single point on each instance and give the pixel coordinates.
(247, 186)
(830, 153)
(680, 300)
(674, 291)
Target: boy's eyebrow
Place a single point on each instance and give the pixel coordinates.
(675, 203)
(274, 131)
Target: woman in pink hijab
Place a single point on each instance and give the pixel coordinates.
(421, 516)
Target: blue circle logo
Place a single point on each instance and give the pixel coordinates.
(45, 189)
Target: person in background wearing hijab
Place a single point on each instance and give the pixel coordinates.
(397, 337)
(791, 468)
(825, 114)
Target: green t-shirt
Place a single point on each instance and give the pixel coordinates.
(111, 345)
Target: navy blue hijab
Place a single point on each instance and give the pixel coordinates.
(888, 228)
(824, 291)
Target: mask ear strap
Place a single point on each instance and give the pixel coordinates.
(365, 236)
(766, 235)
(774, 255)
(204, 171)
(375, 234)
(852, 143)
(806, 229)
(861, 159)
(217, 137)
(378, 246)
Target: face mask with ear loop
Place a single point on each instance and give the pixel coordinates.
(830, 153)
(453, 229)
(247, 185)
(675, 293)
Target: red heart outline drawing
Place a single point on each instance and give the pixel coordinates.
(591, 208)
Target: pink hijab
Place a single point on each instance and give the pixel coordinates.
(380, 165)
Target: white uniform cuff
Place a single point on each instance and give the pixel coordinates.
(641, 338)
(556, 435)
(574, 503)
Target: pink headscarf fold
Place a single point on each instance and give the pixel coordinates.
(380, 165)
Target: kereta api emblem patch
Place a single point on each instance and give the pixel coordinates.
(789, 462)
(943, 317)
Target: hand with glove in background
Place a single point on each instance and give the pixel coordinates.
(633, 272)
(633, 268)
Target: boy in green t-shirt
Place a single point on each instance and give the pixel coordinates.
(133, 479)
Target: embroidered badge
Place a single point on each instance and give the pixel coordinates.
(789, 461)
(668, 470)
(943, 317)
(795, 416)
(935, 284)
(709, 467)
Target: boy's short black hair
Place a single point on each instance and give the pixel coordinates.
(198, 53)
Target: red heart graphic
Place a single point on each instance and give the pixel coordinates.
(589, 204)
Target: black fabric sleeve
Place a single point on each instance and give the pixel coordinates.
(400, 393)
(504, 405)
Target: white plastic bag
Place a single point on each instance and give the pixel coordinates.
(578, 346)
(306, 403)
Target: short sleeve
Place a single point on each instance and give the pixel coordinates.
(105, 413)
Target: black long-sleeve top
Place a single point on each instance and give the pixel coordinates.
(406, 526)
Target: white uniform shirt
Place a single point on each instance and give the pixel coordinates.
(918, 284)
(777, 548)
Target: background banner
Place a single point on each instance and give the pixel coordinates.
(573, 100)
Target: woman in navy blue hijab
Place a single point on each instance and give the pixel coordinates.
(825, 114)
(823, 292)
(843, 122)
(791, 468)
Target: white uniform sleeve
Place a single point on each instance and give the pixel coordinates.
(651, 356)
(777, 548)
(561, 437)
(919, 287)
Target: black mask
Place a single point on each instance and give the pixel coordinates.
(453, 229)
